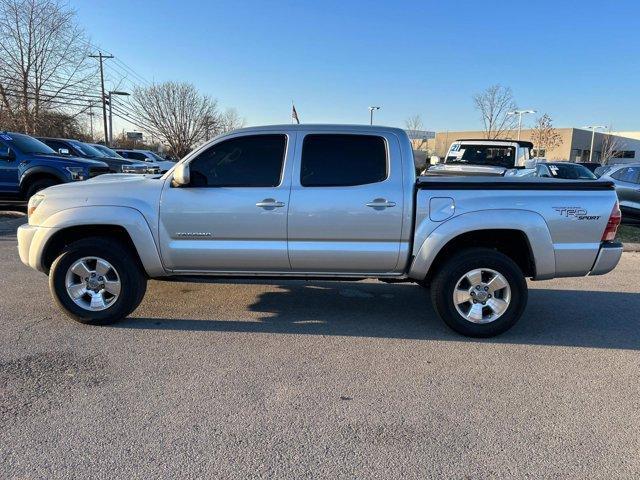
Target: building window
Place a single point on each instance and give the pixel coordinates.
(624, 154)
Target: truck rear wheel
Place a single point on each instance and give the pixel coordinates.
(97, 281)
(479, 293)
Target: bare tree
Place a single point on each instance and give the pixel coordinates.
(493, 104)
(230, 120)
(43, 63)
(544, 135)
(177, 113)
(612, 147)
(414, 127)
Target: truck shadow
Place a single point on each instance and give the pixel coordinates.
(553, 317)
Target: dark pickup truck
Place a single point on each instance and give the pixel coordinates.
(28, 166)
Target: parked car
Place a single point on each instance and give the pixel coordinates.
(149, 157)
(345, 204)
(592, 166)
(28, 166)
(602, 169)
(565, 170)
(626, 177)
(106, 150)
(77, 148)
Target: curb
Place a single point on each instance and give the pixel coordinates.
(631, 247)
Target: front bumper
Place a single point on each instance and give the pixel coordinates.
(607, 259)
(30, 241)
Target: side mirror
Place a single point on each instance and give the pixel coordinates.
(6, 153)
(63, 151)
(545, 175)
(434, 160)
(181, 177)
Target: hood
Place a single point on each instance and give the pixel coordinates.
(140, 192)
(69, 161)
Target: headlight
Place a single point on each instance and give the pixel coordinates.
(133, 169)
(34, 201)
(77, 173)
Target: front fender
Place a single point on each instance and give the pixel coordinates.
(129, 218)
(530, 223)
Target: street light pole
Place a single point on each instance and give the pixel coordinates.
(109, 96)
(593, 129)
(520, 113)
(371, 109)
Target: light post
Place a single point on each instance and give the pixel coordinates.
(371, 109)
(520, 113)
(109, 95)
(593, 129)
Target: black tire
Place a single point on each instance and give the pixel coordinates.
(132, 279)
(446, 279)
(38, 185)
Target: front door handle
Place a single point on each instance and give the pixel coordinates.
(381, 204)
(269, 204)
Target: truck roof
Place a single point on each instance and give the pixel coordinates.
(324, 127)
(522, 143)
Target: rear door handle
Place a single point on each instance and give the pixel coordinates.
(381, 204)
(269, 204)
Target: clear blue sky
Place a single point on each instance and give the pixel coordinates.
(577, 61)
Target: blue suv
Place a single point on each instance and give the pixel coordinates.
(27, 166)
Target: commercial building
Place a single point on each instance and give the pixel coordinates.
(575, 144)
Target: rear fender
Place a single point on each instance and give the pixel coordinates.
(530, 223)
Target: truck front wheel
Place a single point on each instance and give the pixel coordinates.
(97, 281)
(479, 292)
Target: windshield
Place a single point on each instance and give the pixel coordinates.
(107, 151)
(155, 156)
(88, 150)
(494, 155)
(26, 144)
(571, 172)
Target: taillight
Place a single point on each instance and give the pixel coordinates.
(609, 234)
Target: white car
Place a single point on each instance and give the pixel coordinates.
(149, 157)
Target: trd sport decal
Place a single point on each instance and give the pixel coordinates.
(578, 213)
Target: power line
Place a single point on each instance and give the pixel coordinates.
(54, 101)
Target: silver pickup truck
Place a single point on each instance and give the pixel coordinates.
(319, 201)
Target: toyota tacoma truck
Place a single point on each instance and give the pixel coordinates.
(332, 202)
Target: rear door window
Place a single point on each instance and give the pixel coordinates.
(341, 160)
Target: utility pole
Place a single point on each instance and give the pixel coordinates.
(110, 97)
(91, 119)
(101, 58)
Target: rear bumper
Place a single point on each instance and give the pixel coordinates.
(607, 259)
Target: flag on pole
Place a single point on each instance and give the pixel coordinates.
(294, 114)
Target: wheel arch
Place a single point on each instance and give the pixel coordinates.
(40, 172)
(125, 224)
(521, 235)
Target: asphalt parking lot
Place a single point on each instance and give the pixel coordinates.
(314, 379)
